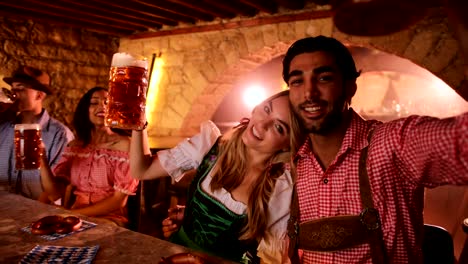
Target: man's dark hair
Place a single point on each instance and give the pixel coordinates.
(343, 57)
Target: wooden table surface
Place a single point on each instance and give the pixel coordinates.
(117, 244)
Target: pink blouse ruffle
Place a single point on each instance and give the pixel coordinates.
(96, 172)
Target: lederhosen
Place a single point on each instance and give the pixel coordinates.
(339, 232)
(208, 225)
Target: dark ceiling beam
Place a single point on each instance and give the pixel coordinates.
(134, 12)
(200, 6)
(266, 6)
(39, 11)
(148, 10)
(233, 7)
(81, 11)
(294, 4)
(112, 11)
(258, 21)
(7, 11)
(177, 9)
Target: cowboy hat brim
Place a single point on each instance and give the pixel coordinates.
(33, 83)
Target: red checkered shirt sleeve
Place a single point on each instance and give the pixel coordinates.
(430, 151)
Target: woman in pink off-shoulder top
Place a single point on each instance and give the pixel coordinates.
(96, 164)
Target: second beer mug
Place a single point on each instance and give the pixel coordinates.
(27, 146)
(128, 83)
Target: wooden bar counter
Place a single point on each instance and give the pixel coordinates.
(117, 244)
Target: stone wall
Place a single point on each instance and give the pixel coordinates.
(201, 68)
(75, 59)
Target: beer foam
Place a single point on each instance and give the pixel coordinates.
(27, 127)
(124, 59)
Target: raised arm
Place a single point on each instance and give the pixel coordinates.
(143, 166)
(53, 187)
(186, 156)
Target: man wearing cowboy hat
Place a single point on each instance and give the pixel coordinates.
(30, 86)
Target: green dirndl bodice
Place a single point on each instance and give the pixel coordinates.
(208, 225)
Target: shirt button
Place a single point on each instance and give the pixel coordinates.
(325, 181)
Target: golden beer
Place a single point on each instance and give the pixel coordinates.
(127, 96)
(27, 146)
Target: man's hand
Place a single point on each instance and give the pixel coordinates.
(172, 223)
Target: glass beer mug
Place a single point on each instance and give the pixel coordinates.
(128, 82)
(27, 146)
(7, 98)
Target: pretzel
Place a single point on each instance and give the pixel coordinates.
(183, 258)
(68, 225)
(55, 224)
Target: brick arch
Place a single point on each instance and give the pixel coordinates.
(428, 44)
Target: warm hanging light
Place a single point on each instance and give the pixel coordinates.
(153, 87)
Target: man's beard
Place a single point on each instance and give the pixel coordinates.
(329, 123)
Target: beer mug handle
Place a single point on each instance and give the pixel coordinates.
(21, 146)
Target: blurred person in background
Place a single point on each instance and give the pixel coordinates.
(95, 165)
(30, 87)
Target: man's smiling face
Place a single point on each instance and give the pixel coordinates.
(317, 91)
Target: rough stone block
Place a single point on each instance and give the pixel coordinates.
(218, 62)
(186, 43)
(237, 40)
(173, 59)
(286, 31)
(171, 119)
(208, 71)
(196, 78)
(395, 43)
(270, 34)
(174, 75)
(420, 45)
(231, 54)
(443, 52)
(300, 28)
(14, 48)
(253, 38)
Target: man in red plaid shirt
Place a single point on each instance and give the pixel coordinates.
(360, 184)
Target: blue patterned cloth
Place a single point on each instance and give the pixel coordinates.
(84, 226)
(55, 136)
(59, 255)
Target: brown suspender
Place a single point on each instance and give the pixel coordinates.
(293, 228)
(339, 232)
(370, 217)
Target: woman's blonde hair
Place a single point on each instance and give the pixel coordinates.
(231, 169)
(296, 140)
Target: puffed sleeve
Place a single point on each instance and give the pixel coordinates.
(123, 181)
(270, 250)
(63, 167)
(189, 153)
